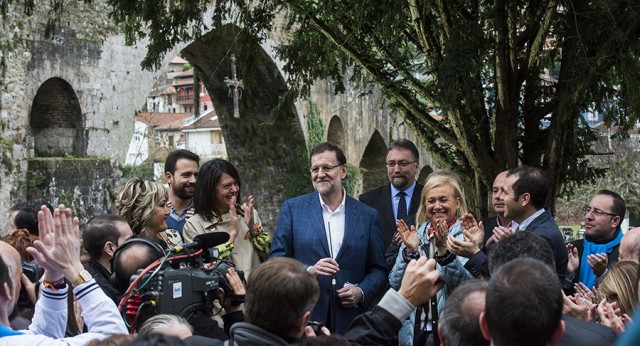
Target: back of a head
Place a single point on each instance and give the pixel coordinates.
(323, 340)
(137, 201)
(523, 304)
(519, 245)
(532, 180)
(276, 281)
(27, 215)
(155, 340)
(113, 340)
(460, 317)
(21, 239)
(620, 285)
(134, 254)
(98, 231)
(161, 322)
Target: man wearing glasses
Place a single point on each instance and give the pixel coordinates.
(401, 196)
(599, 248)
(337, 238)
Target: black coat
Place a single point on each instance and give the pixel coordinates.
(380, 200)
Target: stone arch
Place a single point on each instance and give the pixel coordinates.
(56, 120)
(335, 131)
(373, 162)
(424, 173)
(269, 152)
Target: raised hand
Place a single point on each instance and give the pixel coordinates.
(473, 238)
(440, 236)
(609, 316)
(420, 281)
(234, 227)
(409, 236)
(248, 215)
(598, 263)
(58, 249)
(574, 259)
(238, 289)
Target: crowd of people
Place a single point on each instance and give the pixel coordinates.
(406, 264)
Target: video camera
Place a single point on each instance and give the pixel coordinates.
(180, 284)
(33, 273)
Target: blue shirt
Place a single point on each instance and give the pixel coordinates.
(177, 220)
(395, 199)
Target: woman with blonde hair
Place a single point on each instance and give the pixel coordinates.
(442, 203)
(143, 204)
(619, 285)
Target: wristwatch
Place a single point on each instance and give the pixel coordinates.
(83, 277)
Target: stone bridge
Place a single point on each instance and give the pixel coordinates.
(74, 98)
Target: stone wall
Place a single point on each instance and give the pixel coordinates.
(88, 186)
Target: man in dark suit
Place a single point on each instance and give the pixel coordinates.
(399, 198)
(336, 237)
(524, 195)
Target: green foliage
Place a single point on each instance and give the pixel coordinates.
(473, 80)
(35, 179)
(315, 126)
(143, 170)
(354, 176)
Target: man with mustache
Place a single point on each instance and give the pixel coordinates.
(337, 238)
(399, 198)
(181, 171)
(600, 246)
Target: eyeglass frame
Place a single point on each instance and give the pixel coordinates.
(402, 164)
(325, 169)
(596, 212)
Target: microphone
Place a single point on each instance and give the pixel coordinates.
(204, 241)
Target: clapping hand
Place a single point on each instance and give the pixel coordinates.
(409, 236)
(473, 238)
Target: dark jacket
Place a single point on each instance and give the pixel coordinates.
(380, 200)
(101, 274)
(583, 333)
(545, 226)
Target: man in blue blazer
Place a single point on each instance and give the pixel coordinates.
(333, 234)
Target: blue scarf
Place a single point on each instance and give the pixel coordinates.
(6, 331)
(587, 277)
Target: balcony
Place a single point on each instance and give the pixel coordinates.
(184, 99)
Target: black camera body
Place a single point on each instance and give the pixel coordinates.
(180, 289)
(185, 290)
(33, 272)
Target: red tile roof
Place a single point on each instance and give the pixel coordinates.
(207, 121)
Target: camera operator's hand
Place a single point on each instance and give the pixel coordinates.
(238, 289)
(308, 331)
(58, 250)
(29, 287)
(325, 266)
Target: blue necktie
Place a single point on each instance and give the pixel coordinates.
(402, 206)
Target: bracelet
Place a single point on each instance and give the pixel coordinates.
(55, 285)
(445, 259)
(408, 256)
(258, 231)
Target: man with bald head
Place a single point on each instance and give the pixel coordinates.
(58, 253)
(630, 246)
(11, 258)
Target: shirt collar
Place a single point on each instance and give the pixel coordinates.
(530, 219)
(340, 207)
(408, 191)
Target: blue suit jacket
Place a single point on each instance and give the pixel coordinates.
(300, 234)
(545, 226)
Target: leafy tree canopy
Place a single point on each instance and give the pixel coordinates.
(485, 85)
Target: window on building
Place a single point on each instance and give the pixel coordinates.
(170, 141)
(205, 106)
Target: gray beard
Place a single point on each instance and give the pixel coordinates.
(400, 183)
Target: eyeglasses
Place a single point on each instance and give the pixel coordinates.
(402, 163)
(596, 212)
(326, 169)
